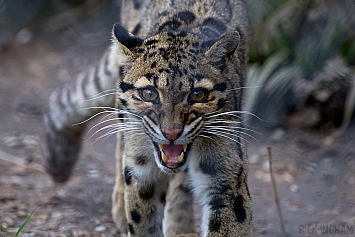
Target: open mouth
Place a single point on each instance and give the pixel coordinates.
(172, 156)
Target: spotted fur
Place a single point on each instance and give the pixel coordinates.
(174, 78)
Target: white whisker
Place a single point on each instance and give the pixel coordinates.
(245, 87)
(101, 94)
(92, 117)
(235, 114)
(222, 135)
(232, 133)
(122, 126)
(200, 135)
(224, 121)
(232, 128)
(118, 111)
(114, 131)
(114, 119)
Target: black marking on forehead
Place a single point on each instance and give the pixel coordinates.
(191, 82)
(126, 86)
(182, 33)
(150, 42)
(164, 13)
(152, 54)
(180, 73)
(153, 65)
(186, 16)
(179, 58)
(170, 25)
(195, 44)
(164, 54)
(192, 55)
(176, 21)
(137, 4)
(180, 85)
(198, 76)
(155, 81)
(215, 24)
(220, 87)
(176, 70)
(149, 76)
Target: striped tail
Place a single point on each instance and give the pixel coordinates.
(74, 103)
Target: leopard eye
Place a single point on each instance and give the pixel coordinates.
(198, 95)
(149, 94)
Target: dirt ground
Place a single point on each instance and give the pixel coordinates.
(315, 181)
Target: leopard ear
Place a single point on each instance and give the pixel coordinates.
(223, 47)
(124, 41)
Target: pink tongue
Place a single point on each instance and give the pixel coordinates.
(172, 150)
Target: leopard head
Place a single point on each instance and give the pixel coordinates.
(172, 83)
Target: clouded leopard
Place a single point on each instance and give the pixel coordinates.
(173, 77)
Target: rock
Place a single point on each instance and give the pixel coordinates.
(293, 188)
(8, 221)
(56, 215)
(254, 159)
(287, 177)
(22, 213)
(100, 228)
(277, 134)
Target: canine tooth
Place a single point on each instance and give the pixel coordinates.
(181, 157)
(161, 147)
(164, 157)
(185, 147)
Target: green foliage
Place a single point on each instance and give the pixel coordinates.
(347, 51)
(292, 42)
(312, 32)
(23, 225)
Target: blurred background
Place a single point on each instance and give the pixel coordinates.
(300, 90)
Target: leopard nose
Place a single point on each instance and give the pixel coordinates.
(172, 134)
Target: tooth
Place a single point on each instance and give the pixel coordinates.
(161, 147)
(185, 147)
(181, 157)
(164, 157)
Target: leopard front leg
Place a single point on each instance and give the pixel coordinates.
(118, 205)
(178, 213)
(219, 179)
(144, 187)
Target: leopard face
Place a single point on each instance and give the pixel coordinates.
(172, 83)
